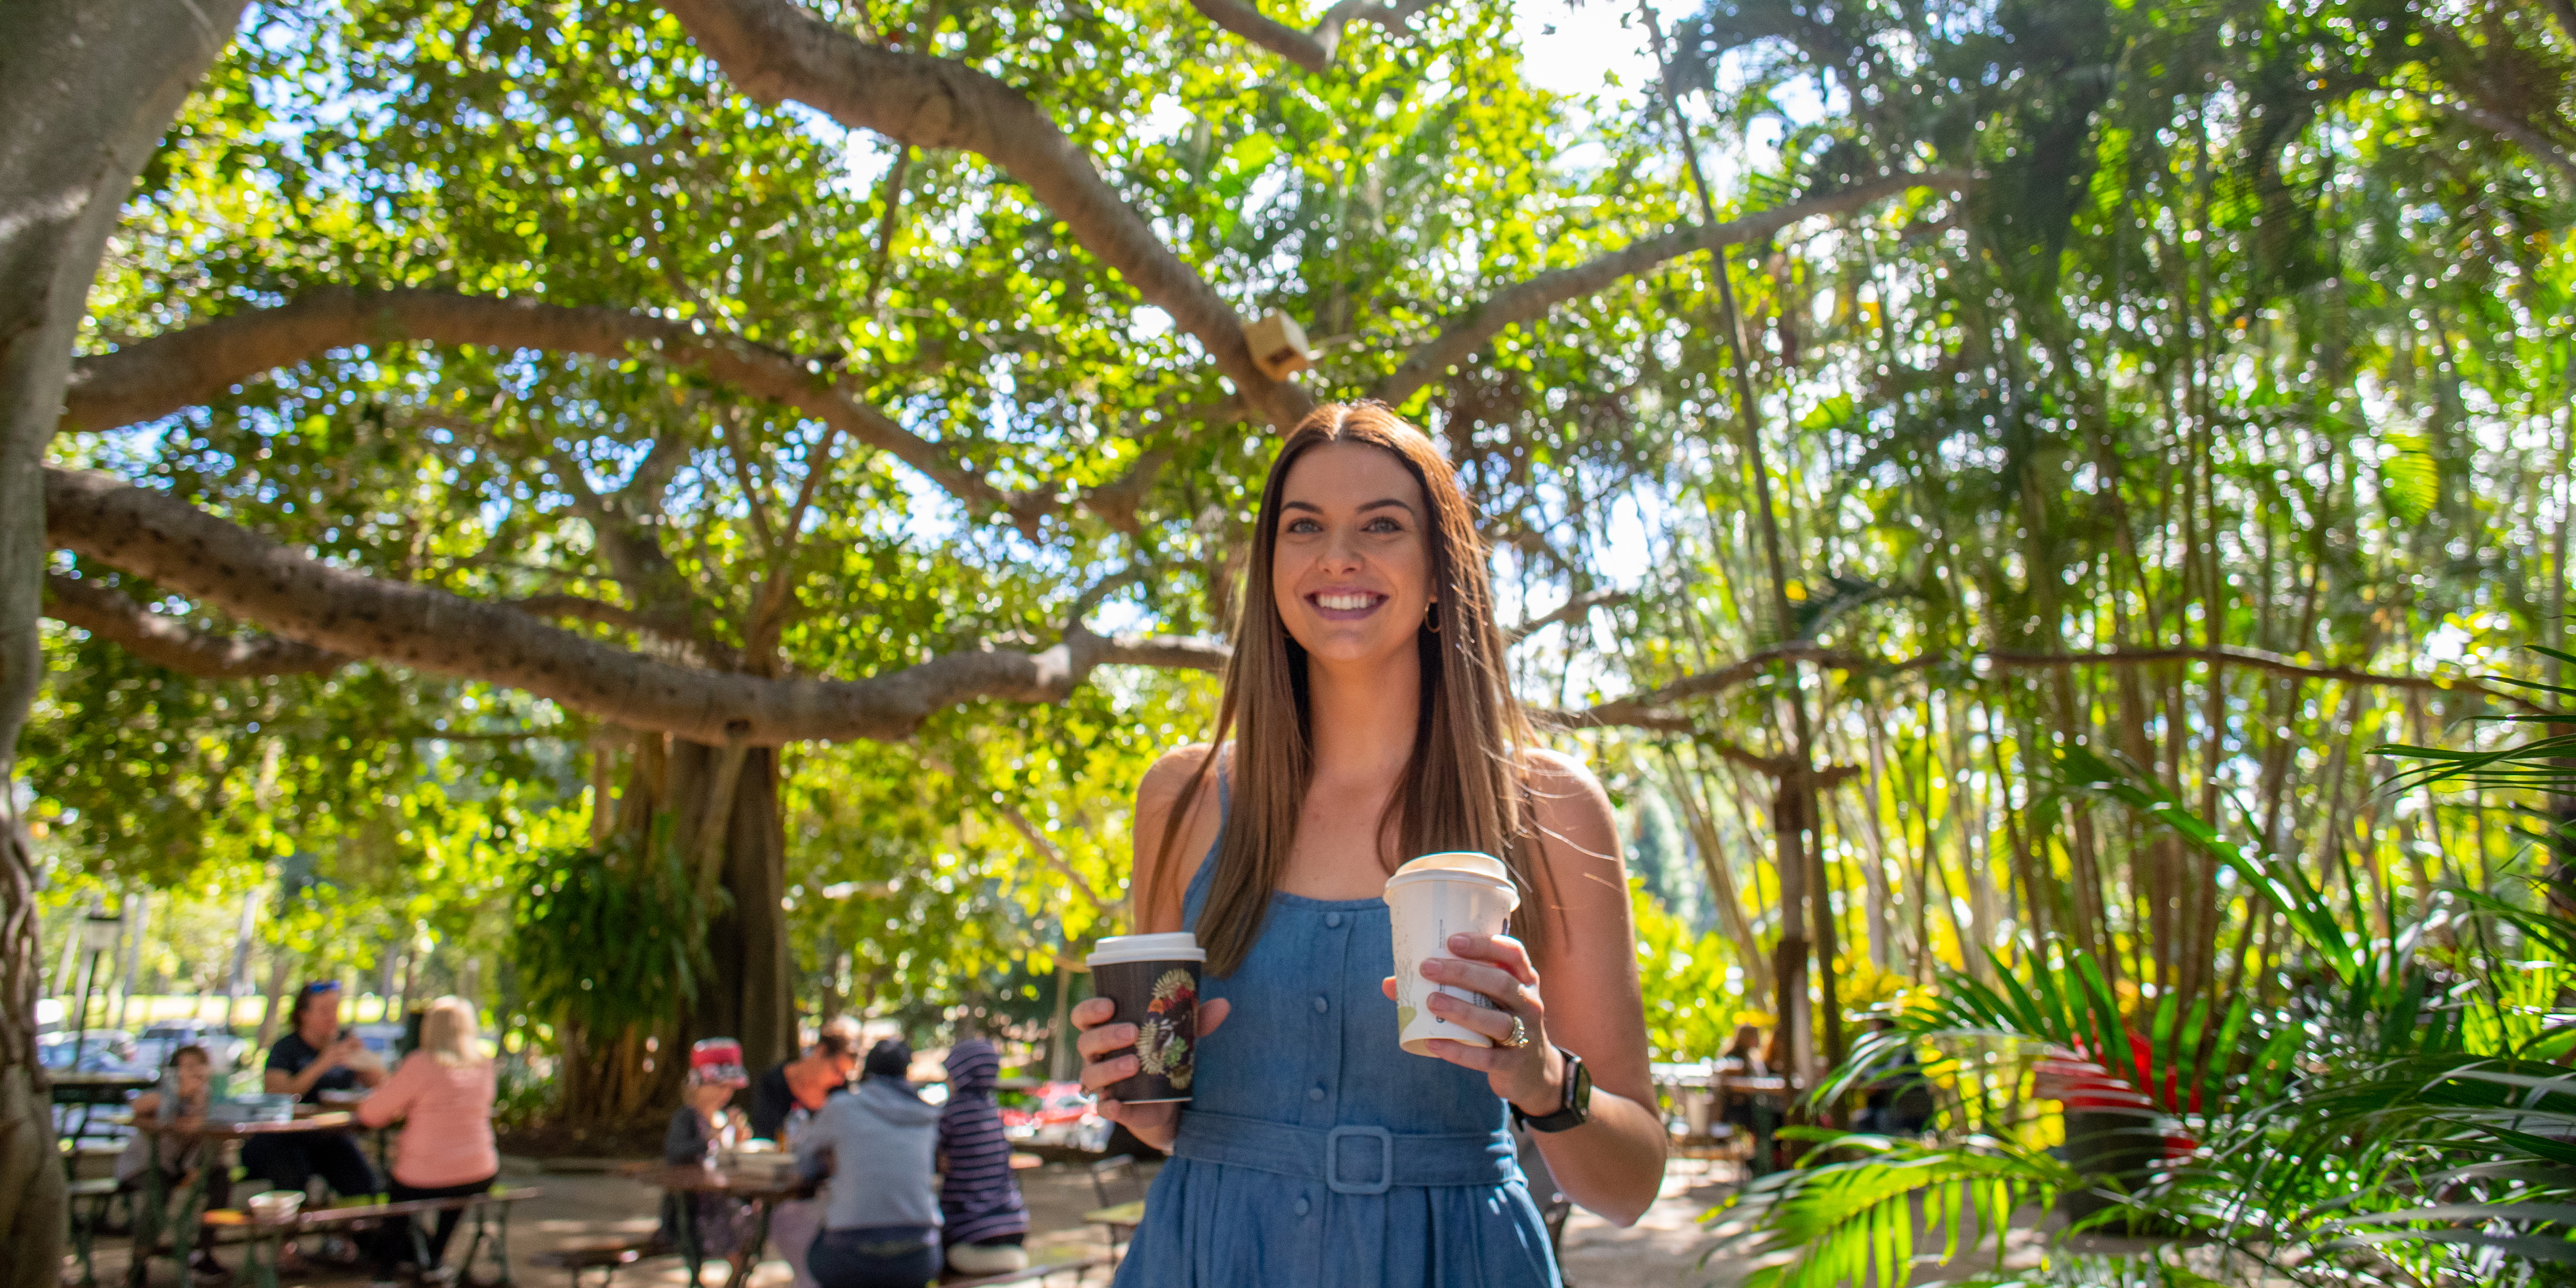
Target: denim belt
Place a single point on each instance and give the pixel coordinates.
(1348, 1160)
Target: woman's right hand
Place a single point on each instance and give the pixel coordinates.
(1109, 1056)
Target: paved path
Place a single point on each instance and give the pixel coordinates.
(1663, 1250)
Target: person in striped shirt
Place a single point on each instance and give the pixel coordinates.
(984, 1221)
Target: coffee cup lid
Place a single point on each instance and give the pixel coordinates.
(1461, 861)
(1177, 946)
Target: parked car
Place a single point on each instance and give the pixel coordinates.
(382, 1040)
(98, 1051)
(1062, 1114)
(152, 1050)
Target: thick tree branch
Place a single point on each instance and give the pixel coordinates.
(1312, 50)
(1571, 610)
(166, 373)
(579, 608)
(1652, 709)
(1531, 300)
(167, 641)
(2515, 132)
(774, 50)
(153, 534)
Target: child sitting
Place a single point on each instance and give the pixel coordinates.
(700, 1127)
(179, 1158)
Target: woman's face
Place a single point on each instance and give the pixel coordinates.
(1352, 568)
(321, 1020)
(192, 1079)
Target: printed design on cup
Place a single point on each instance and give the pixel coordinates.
(1429, 900)
(1163, 1035)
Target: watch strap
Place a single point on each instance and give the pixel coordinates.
(1577, 1109)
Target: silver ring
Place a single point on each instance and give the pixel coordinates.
(1519, 1037)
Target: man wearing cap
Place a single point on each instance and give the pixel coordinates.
(703, 1125)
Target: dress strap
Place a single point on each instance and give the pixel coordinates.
(1195, 898)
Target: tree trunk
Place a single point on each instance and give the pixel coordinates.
(87, 90)
(238, 978)
(138, 922)
(1796, 1018)
(741, 851)
(278, 963)
(743, 836)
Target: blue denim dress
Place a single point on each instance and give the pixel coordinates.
(1317, 1152)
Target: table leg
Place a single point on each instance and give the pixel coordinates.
(751, 1254)
(1762, 1132)
(263, 1272)
(689, 1245)
(147, 1217)
(500, 1243)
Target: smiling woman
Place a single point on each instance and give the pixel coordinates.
(1377, 723)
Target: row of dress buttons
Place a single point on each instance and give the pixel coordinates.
(1332, 921)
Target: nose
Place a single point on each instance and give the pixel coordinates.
(1341, 551)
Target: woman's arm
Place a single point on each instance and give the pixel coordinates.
(394, 1099)
(1156, 889)
(1580, 993)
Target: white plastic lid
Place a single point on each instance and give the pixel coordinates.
(1460, 861)
(1178, 946)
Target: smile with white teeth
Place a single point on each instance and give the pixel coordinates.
(1346, 602)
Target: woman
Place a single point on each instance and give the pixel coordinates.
(1376, 723)
(982, 1220)
(442, 1095)
(315, 1057)
(881, 1220)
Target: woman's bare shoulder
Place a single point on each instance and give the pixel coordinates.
(1569, 806)
(1559, 781)
(1170, 772)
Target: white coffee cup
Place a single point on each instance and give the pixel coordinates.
(1430, 899)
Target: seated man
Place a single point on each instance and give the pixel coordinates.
(314, 1057)
(807, 1081)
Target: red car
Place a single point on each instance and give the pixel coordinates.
(1058, 1113)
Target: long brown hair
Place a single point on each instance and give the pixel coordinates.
(1462, 788)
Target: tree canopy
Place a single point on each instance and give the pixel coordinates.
(830, 427)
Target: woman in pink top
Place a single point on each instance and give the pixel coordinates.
(443, 1096)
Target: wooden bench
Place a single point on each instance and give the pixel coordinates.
(1080, 1267)
(268, 1236)
(607, 1257)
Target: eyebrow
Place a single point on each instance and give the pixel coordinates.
(1364, 508)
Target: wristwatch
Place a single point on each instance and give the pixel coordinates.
(1577, 1109)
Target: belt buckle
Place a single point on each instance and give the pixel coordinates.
(1333, 1154)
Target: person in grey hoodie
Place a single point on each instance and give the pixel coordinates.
(881, 1221)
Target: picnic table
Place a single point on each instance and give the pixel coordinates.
(148, 1214)
(763, 1189)
(1767, 1095)
(90, 1091)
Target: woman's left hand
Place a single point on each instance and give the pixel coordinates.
(1532, 1075)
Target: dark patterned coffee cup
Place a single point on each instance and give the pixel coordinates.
(1153, 980)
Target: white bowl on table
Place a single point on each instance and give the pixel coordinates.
(274, 1205)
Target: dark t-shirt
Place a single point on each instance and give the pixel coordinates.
(292, 1053)
(771, 1102)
